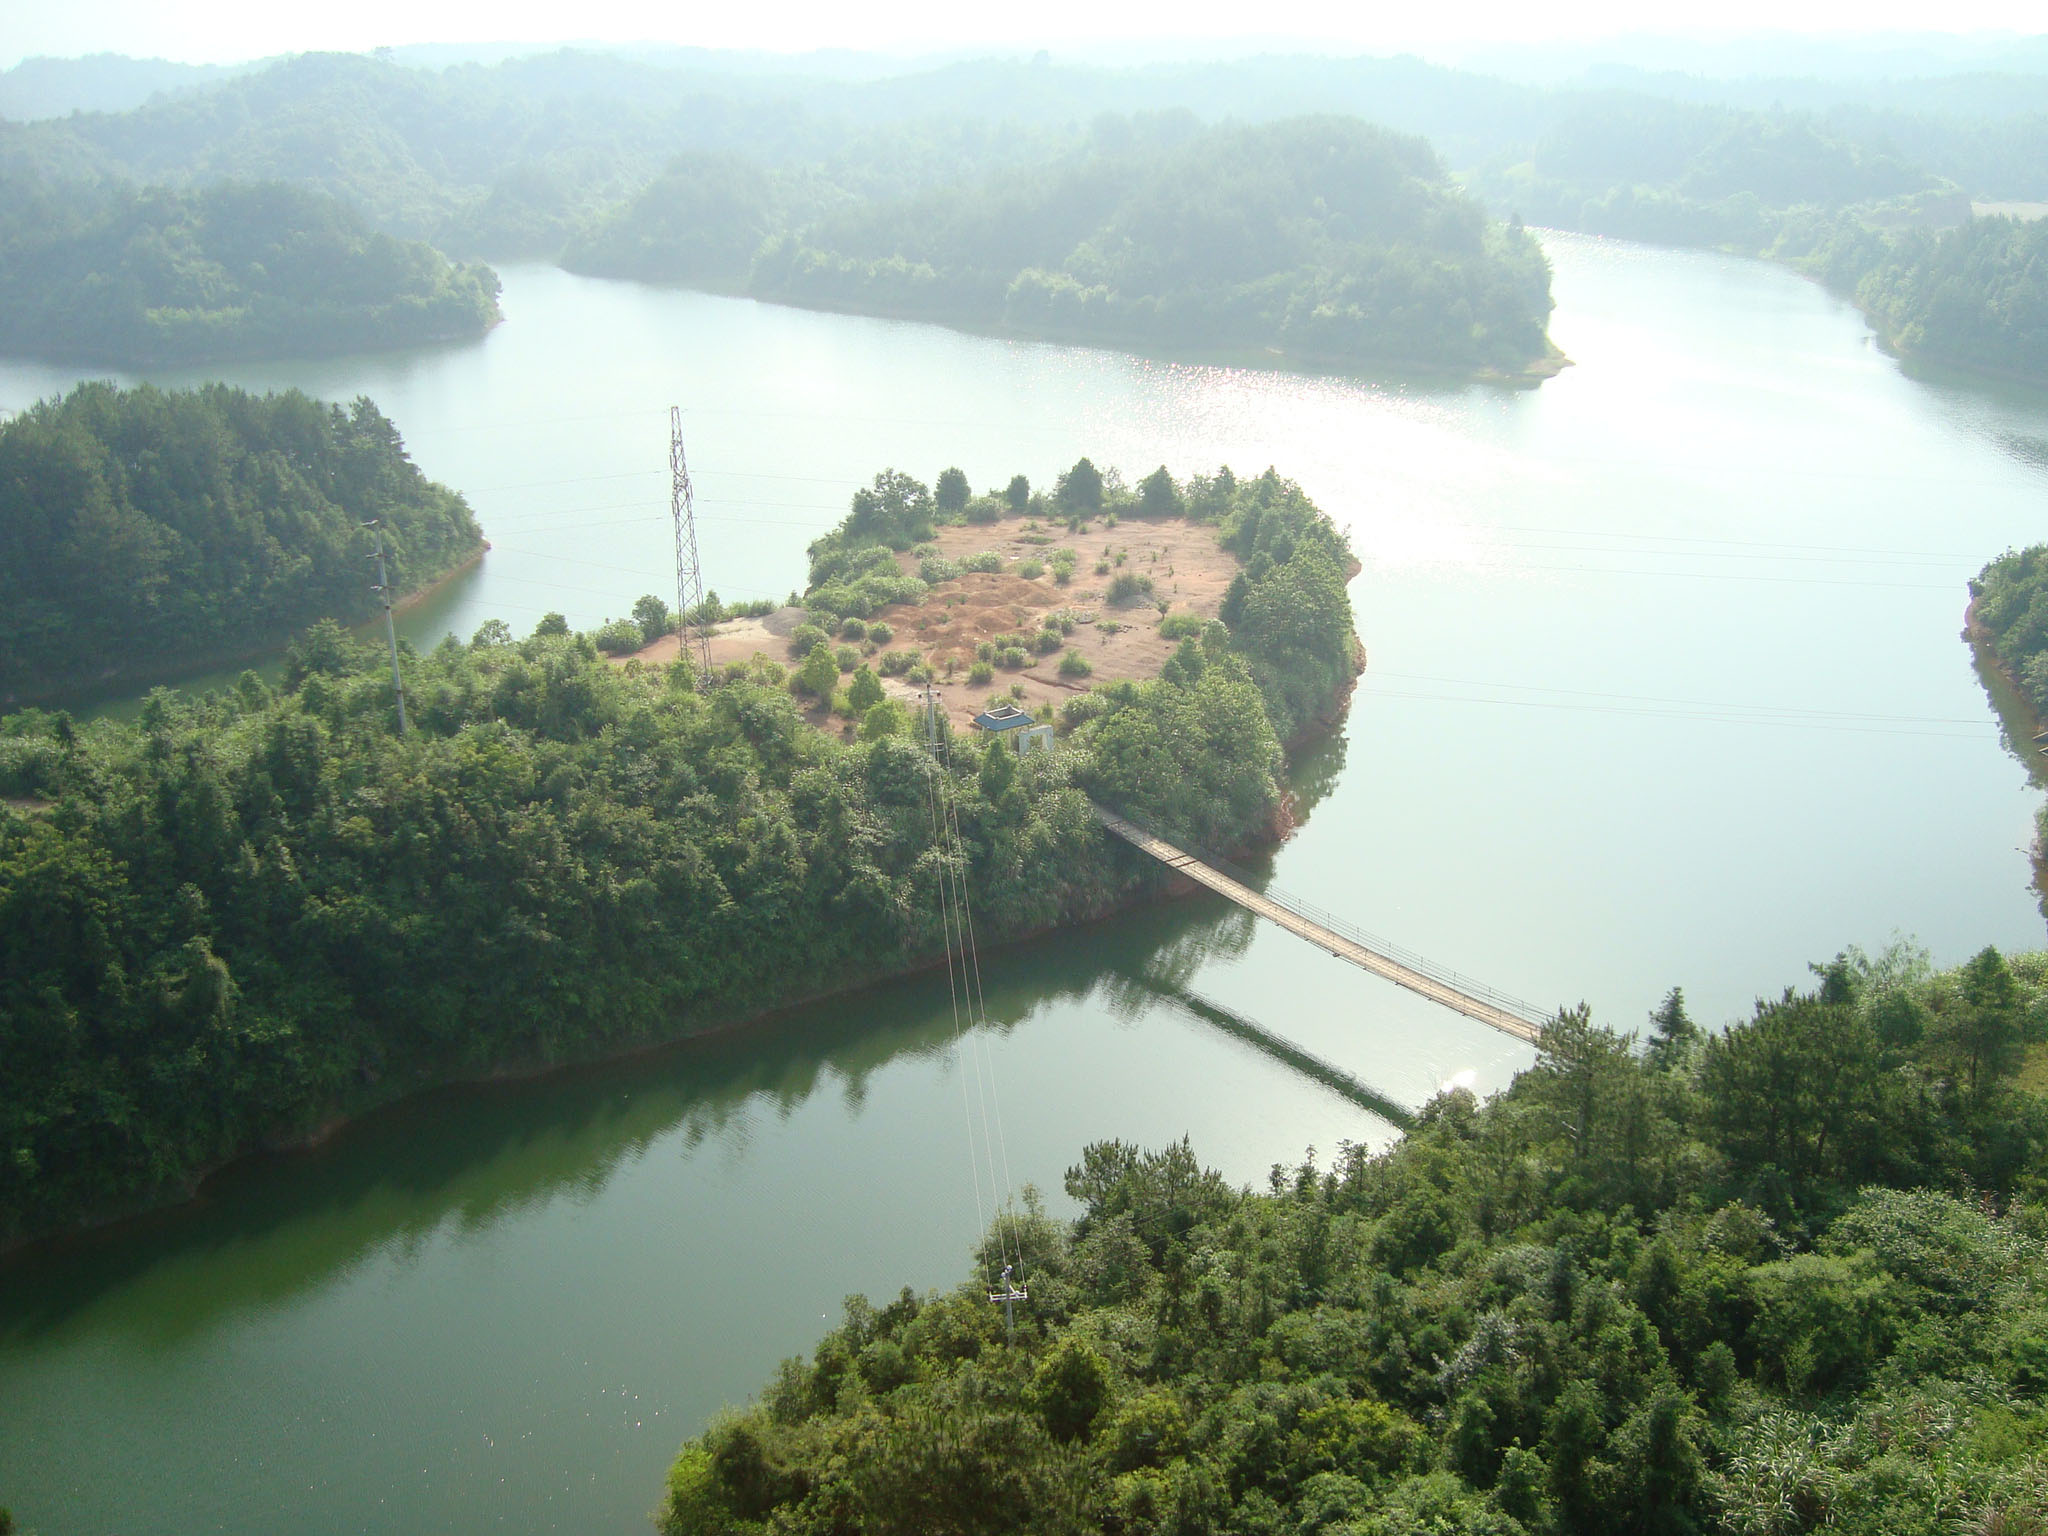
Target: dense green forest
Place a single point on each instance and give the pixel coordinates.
(144, 530)
(107, 272)
(245, 911)
(1786, 1278)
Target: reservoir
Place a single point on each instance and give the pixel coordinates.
(1666, 688)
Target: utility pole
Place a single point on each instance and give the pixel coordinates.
(689, 571)
(383, 590)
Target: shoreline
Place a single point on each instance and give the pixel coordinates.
(1379, 371)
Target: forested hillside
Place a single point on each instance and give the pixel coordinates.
(111, 273)
(1976, 295)
(244, 912)
(1790, 1278)
(142, 530)
(1320, 237)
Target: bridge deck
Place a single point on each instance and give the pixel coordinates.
(1343, 946)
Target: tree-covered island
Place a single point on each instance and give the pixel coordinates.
(144, 532)
(244, 913)
(110, 273)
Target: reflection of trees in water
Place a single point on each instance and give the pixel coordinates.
(467, 1158)
(1313, 771)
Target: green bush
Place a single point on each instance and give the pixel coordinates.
(620, 637)
(896, 663)
(1074, 664)
(853, 629)
(1031, 570)
(987, 563)
(1180, 626)
(986, 651)
(881, 634)
(1129, 587)
(1046, 641)
(1012, 657)
(847, 657)
(981, 673)
(806, 638)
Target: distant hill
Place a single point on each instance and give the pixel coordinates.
(101, 82)
(118, 274)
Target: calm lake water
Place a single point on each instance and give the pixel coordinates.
(1666, 687)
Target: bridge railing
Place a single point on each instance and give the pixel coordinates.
(1343, 927)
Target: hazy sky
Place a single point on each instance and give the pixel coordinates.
(226, 30)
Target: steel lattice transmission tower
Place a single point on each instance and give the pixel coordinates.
(689, 570)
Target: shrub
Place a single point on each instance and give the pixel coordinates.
(935, 568)
(847, 657)
(853, 629)
(1046, 641)
(806, 638)
(1129, 587)
(881, 634)
(1013, 657)
(1074, 664)
(1180, 626)
(619, 637)
(986, 651)
(895, 663)
(1102, 567)
(980, 674)
(1031, 570)
(986, 563)
(986, 509)
(1019, 493)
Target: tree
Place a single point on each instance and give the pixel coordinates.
(1983, 1035)
(885, 717)
(1158, 496)
(864, 692)
(818, 675)
(1018, 494)
(1672, 1032)
(1080, 488)
(998, 769)
(551, 624)
(952, 492)
(652, 615)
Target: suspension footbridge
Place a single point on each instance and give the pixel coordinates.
(1327, 931)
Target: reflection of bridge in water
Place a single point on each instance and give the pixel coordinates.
(1327, 931)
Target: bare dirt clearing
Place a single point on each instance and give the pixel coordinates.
(1186, 566)
(1188, 569)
